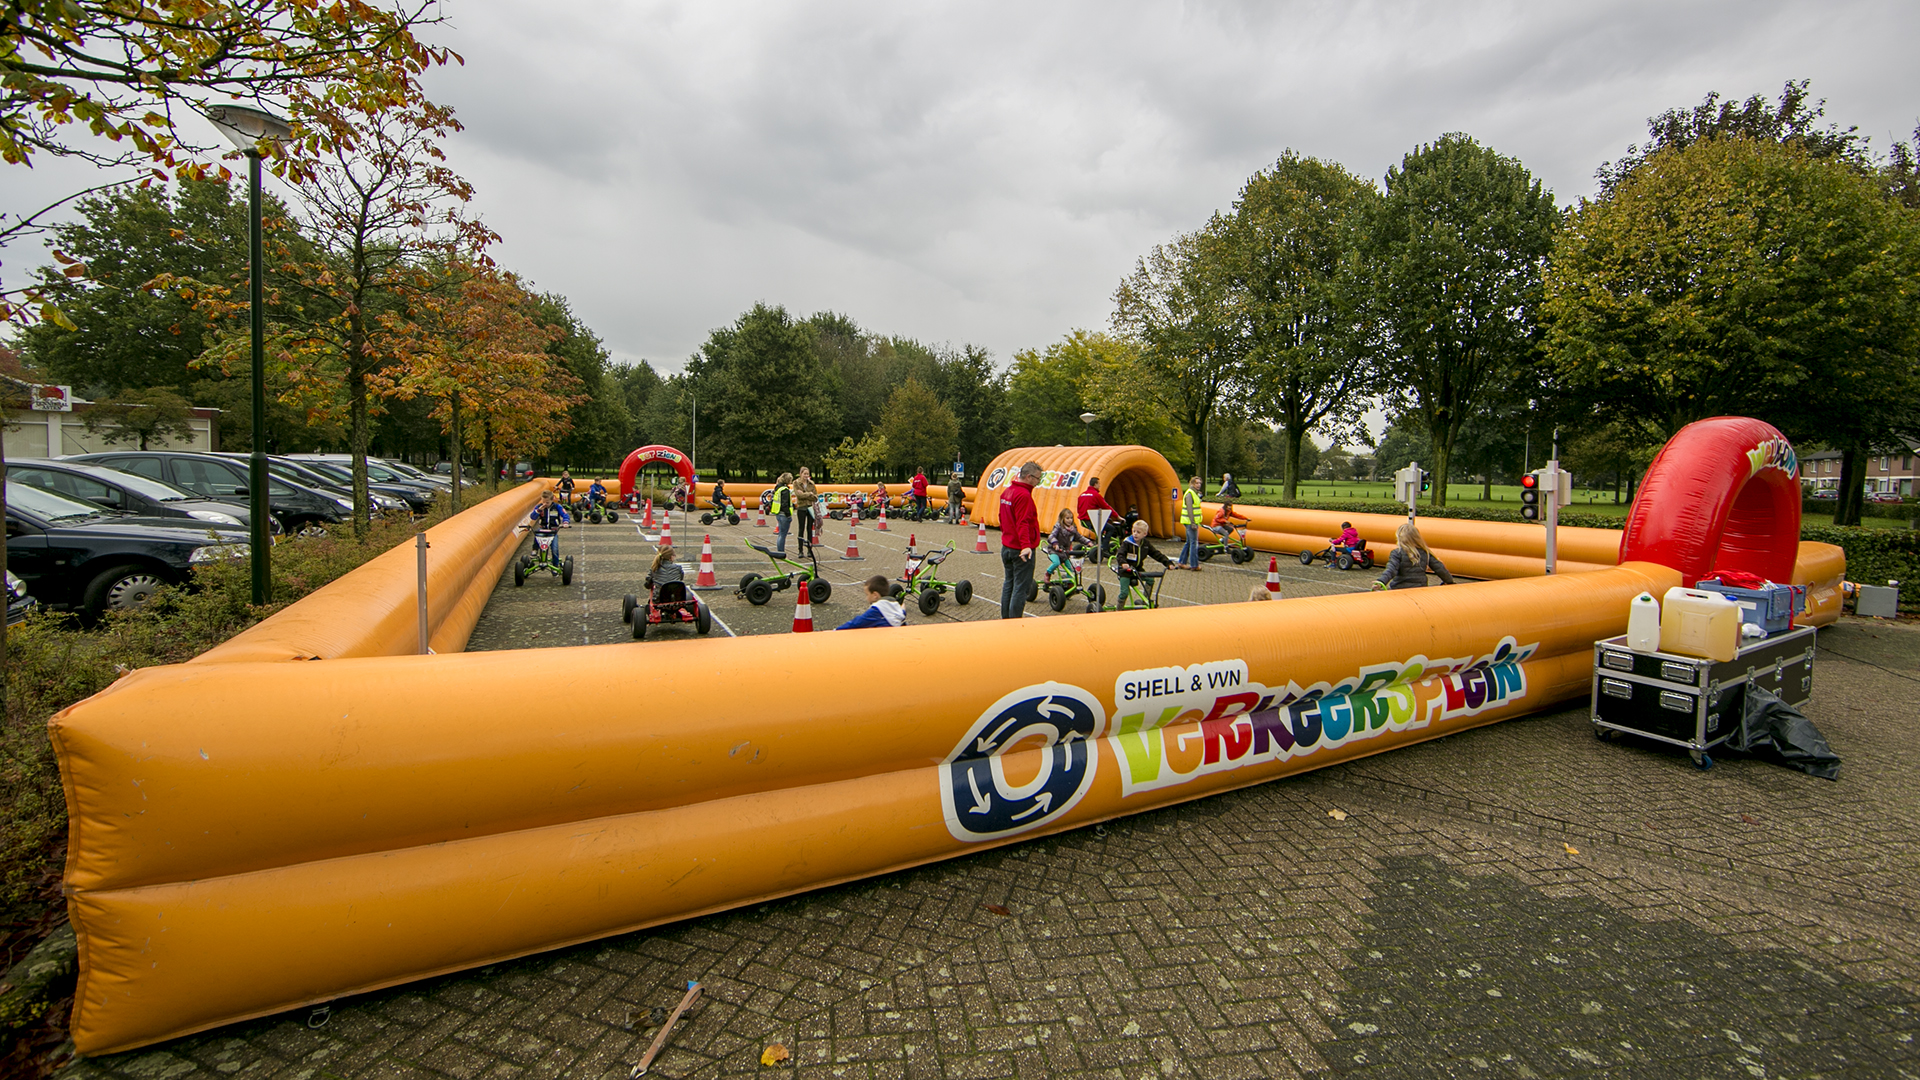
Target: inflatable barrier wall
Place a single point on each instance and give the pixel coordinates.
(405, 816)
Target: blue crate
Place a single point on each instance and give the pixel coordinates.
(1771, 608)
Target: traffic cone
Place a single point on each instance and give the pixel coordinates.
(1273, 575)
(705, 579)
(882, 526)
(760, 518)
(647, 522)
(911, 541)
(980, 545)
(803, 613)
(666, 530)
(853, 540)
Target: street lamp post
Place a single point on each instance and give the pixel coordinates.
(253, 130)
(1086, 427)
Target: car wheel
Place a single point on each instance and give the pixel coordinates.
(702, 621)
(1366, 560)
(759, 592)
(1057, 598)
(311, 528)
(963, 593)
(896, 590)
(1306, 557)
(566, 571)
(626, 607)
(929, 602)
(819, 591)
(122, 588)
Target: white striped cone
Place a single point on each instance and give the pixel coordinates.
(647, 522)
(882, 526)
(980, 545)
(803, 613)
(706, 579)
(760, 518)
(1273, 574)
(666, 530)
(853, 540)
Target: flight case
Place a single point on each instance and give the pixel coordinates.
(1691, 702)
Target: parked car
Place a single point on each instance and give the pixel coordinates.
(18, 602)
(1884, 497)
(77, 556)
(297, 473)
(124, 492)
(300, 509)
(1825, 495)
(415, 498)
(378, 469)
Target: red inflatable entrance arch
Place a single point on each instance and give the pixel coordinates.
(630, 468)
(1723, 494)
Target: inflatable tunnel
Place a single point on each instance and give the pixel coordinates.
(1129, 476)
(639, 459)
(300, 818)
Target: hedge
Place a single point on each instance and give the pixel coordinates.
(1465, 513)
(1900, 511)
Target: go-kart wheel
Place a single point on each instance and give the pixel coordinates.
(1033, 591)
(733, 519)
(639, 624)
(1207, 554)
(706, 519)
(1343, 561)
(759, 592)
(702, 620)
(963, 593)
(1093, 606)
(819, 591)
(1057, 598)
(526, 561)
(612, 516)
(1244, 555)
(747, 580)
(519, 574)
(929, 602)
(1099, 593)
(1366, 560)
(626, 607)
(1306, 557)
(566, 570)
(897, 590)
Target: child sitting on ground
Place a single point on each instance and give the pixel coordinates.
(1062, 542)
(664, 569)
(882, 610)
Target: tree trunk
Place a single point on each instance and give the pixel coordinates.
(357, 444)
(453, 410)
(1442, 461)
(1486, 487)
(1292, 478)
(1846, 510)
(486, 456)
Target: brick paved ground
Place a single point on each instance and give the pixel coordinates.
(1520, 900)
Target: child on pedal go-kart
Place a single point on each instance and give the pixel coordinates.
(1129, 565)
(1063, 543)
(545, 519)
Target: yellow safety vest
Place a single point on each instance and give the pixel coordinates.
(776, 499)
(1190, 507)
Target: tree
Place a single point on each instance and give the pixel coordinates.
(1181, 306)
(918, 430)
(1087, 371)
(1294, 240)
(109, 83)
(596, 424)
(850, 461)
(1741, 276)
(1457, 250)
(967, 384)
(145, 417)
(1790, 120)
(760, 384)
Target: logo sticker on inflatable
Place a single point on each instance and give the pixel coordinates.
(981, 802)
(1773, 454)
(994, 480)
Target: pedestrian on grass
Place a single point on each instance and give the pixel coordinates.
(882, 609)
(782, 509)
(1019, 538)
(1407, 567)
(1229, 490)
(1190, 517)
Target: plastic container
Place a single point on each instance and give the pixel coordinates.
(1770, 607)
(1696, 623)
(1643, 624)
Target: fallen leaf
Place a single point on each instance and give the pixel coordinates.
(1750, 820)
(774, 1055)
(999, 909)
(1571, 850)
(1337, 815)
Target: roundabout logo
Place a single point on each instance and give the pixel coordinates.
(1046, 732)
(994, 480)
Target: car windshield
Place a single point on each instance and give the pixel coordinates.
(298, 475)
(48, 505)
(329, 469)
(157, 490)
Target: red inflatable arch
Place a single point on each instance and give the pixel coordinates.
(1723, 494)
(630, 468)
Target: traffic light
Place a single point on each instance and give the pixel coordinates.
(1530, 497)
(1426, 480)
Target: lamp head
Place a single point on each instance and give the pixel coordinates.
(1088, 418)
(247, 127)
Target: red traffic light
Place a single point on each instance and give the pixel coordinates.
(1529, 481)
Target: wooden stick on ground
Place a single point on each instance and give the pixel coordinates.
(660, 1040)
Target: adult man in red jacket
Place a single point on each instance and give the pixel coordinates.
(1019, 537)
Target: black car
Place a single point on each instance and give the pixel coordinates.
(127, 493)
(78, 556)
(300, 509)
(386, 497)
(18, 602)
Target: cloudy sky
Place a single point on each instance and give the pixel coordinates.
(987, 172)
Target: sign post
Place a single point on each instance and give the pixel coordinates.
(1097, 517)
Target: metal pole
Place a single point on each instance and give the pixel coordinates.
(420, 547)
(257, 462)
(1553, 501)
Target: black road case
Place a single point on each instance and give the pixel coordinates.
(1692, 702)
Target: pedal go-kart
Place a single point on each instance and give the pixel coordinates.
(726, 512)
(759, 588)
(1144, 592)
(544, 556)
(1339, 558)
(1066, 581)
(668, 603)
(921, 579)
(593, 513)
(1231, 542)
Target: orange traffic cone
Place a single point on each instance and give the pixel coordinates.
(647, 522)
(760, 518)
(853, 540)
(1273, 575)
(882, 526)
(666, 529)
(980, 545)
(803, 613)
(705, 579)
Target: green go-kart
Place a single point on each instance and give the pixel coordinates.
(921, 579)
(1066, 581)
(759, 588)
(1228, 540)
(1143, 591)
(544, 556)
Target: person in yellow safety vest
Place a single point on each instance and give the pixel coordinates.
(1190, 517)
(782, 512)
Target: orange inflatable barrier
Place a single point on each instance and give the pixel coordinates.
(405, 816)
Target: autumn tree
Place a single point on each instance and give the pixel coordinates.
(1456, 251)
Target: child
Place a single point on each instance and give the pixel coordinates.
(1061, 542)
(549, 515)
(1407, 567)
(597, 493)
(1225, 520)
(882, 610)
(664, 569)
(1129, 561)
(1349, 538)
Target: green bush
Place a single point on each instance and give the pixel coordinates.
(1470, 512)
(1900, 511)
(1875, 556)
